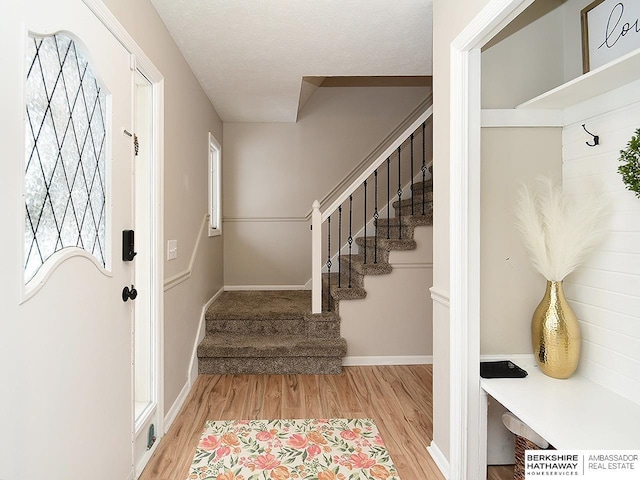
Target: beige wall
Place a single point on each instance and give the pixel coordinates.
(188, 117)
(274, 171)
(394, 320)
(510, 287)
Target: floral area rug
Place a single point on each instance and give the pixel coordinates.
(334, 449)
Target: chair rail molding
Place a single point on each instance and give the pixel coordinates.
(464, 137)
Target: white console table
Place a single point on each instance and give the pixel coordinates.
(571, 414)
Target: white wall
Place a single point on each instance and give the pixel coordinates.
(605, 291)
(526, 58)
(274, 171)
(510, 289)
(189, 116)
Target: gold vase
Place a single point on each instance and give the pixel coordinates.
(555, 334)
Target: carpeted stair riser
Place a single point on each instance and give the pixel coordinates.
(406, 211)
(357, 280)
(230, 345)
(271, 366)
(260, 354)
(323, 325)
(257, 326)
(419, 187)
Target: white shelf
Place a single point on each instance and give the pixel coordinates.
(570, 414)
(608, 77)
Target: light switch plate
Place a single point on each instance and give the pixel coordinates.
(172, 249)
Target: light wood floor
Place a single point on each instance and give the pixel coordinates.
(398, 398)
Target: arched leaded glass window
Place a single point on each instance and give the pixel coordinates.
(64, 183)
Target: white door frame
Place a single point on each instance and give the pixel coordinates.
(156, 223)
(464, 388)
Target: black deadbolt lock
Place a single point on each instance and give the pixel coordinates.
(128, 245)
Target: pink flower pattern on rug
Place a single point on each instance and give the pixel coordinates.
(310, 449)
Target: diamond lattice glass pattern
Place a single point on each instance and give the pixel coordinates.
(65, 153)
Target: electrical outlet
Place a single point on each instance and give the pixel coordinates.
(172, 249)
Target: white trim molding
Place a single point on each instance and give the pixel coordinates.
(266, 219)
(177, 405)
(202, 327)
(240, 288)
(183, 276)
(389, 360)
(440, 296)
(441, 461)
(464, 138)
(497, 118)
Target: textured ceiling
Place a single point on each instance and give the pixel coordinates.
(251, 55)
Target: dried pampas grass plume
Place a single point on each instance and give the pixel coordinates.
(558, 231)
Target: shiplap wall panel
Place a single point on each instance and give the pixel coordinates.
(605, 291)
(594, 297)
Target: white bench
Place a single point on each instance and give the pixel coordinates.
(571, 414)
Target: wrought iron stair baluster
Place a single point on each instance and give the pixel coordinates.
(350, 239)
(365, 221)
(412, 212)
(399, 197)
(329, 263)
(339, 246)
(424, 164)
(375, 220)
(388, 200)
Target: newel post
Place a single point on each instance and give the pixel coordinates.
(316, 258)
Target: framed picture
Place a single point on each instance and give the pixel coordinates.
(610, 29)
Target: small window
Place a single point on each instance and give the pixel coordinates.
(215, 187)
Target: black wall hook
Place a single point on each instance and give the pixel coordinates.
(596, 138)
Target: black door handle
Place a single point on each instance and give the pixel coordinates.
(129, 293)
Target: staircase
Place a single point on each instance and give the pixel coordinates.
(274, 332)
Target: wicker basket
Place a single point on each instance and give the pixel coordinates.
(522, 444)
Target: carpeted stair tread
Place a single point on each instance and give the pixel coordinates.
(386, 243)
(407, 220)
(262, 346)
(369, 268)
(416, 202)
(256, 305)
(428, 186)
(357, 279)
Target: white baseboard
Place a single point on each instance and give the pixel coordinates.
(438, 457)
(237, 288)
(193, 368)
(177, 405)
(394, 360)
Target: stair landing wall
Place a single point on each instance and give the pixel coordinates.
(393, 324)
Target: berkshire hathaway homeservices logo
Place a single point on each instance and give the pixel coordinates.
(582, 464)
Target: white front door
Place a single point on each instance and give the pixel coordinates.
(66, 327)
